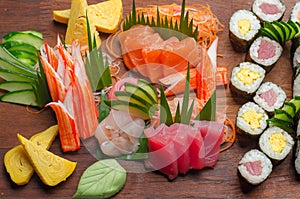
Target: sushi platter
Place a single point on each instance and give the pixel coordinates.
(258, 91)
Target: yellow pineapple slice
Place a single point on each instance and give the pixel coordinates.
(16, 162)
(51, 168)
(105, 15)
(77, 26)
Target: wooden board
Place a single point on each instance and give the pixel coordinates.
(219, 182)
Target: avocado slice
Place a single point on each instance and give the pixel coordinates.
(131, 97)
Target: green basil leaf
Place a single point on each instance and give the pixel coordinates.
(102, 179)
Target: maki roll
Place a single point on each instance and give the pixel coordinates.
(264, 52)
(246, 79)
(297, 156)
(270, 97)
(255, 167)
(268, 10)
(276, 143)
(295, 14)
(243, 29)
(251, 119)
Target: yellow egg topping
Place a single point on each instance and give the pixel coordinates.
(277, 142)
(244, 26)
(252, 118)
(247, 76)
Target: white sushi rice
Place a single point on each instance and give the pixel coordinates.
(265, 145)
(244, 125)
(280, 96)
(248, 88)
(252, 156)
(297, 158)
(296, 58)
(268, 17)
(255, 46)
(295, 11)
(296, 86)
(244, 15)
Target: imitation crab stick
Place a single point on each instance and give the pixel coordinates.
(71, 92)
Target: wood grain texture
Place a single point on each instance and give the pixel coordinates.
(219, 182)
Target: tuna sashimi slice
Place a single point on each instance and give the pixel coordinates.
(161, 151)
(175, 149)
(212, 133)
(254, 168)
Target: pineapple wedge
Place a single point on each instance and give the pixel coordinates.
(16, 162)
(105, 15)
(51, 168)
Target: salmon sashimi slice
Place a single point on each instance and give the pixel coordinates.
(149, 54)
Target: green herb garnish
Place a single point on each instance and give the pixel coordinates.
(97, 70)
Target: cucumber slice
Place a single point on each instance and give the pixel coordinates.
(129, 97)
(273, 30)
(135, 89)
(148, 88)
(287, 126)
(287, 29)
(290, 108)
(267, 32)
(24, 37)
(7, 65)
(25, 97)
(5, 54)
(15, 45)
(280, 31)
(283, 115)
(130, 108)
(12, 76)
(296, 102)
(15, 85)
(34, 32)
(25, 57)
(294, 28)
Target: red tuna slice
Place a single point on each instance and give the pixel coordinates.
(266, 49)
(269, 97)
(212, 133)
(174, 149)
(162, 155)
(269, 9)
(254, 168)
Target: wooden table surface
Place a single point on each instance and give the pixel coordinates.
(220, 182)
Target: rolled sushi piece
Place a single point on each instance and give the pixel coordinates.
(270, 96)
(251, 120)
(297, 156)
(255, 167)
(265, 52)
(295, 14)
(276, 143)
(269, 10)
(246, 79)
(296, 82)
(243, 29)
